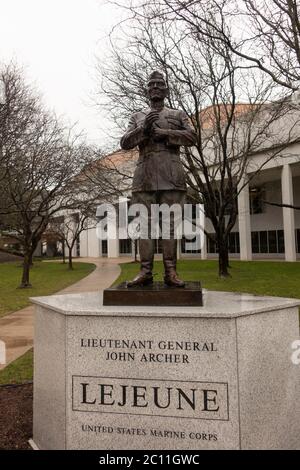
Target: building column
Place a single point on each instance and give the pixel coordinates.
(113, 248)
(204, 247)
(87, 241)
(244, 220)
(204, 241)
(288, 214)
(100, 248)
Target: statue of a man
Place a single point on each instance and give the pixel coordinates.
(159, 175)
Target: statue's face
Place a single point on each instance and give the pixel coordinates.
(157, 89)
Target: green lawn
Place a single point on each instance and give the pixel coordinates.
(46, 278)
(19, 371)
(257, 277)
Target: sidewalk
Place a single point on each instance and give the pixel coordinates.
(16, 329)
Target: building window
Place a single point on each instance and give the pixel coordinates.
(257, 196)
(125, 246)
(280, 241)
(211, 244)
(298, 239)
(255, 242)
(271, 241)
(185, 245)
(263, 242)
(104, 247)
(234, 242)
(266, 241)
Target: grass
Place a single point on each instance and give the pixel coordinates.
(46, 278)
(257, 277)
(19, 371)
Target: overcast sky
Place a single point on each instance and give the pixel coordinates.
(56, 41)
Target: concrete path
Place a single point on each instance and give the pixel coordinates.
(16, 329)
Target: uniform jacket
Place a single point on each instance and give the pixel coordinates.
(159, 166)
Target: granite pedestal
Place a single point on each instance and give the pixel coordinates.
(213, 377)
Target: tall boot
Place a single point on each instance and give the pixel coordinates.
(145, 276)
(169, 258)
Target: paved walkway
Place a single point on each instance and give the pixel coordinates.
(16, 329)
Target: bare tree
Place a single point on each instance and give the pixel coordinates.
(277, 204)
(229, 105)
(68, 228)
(275, 27)
(264, 33)
(111, 174)
(17, 105)
(40, 159)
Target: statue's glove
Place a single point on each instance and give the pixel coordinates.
(160, 134)
(150, 119)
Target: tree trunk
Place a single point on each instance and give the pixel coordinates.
(26, 270)
(64, 252)
(34, 244)
(223, 258)
(31, 259)
(227, 258)
(70, 258)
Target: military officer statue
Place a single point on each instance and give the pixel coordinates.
(159, 175)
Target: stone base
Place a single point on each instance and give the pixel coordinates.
(157, 294)
(213, 377)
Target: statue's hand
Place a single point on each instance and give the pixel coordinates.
(159, 133)
(150, 119)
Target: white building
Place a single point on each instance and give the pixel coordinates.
(261, 231)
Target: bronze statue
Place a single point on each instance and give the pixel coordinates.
(159, 175)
